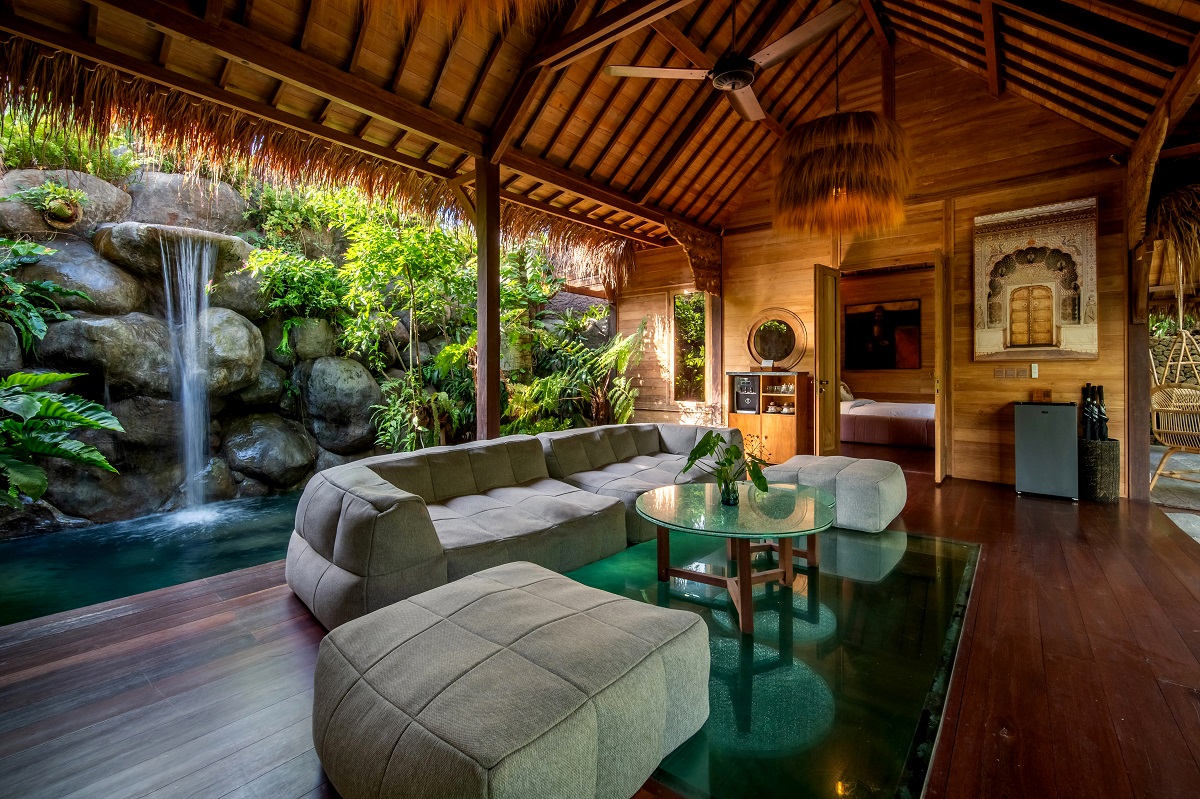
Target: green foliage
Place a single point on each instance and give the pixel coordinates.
(285, 217)
(1166, 323)
(28, 305)
(689, 347)
(39, 424)
(52, 199)
(584, 387)
(727, 463)
(26, 147)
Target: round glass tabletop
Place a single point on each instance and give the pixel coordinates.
(783, 511)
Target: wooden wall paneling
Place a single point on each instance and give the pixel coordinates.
(895, 385)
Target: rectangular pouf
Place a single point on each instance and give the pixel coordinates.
(870, 493)
(512, 683)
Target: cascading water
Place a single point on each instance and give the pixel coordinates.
(187, 268)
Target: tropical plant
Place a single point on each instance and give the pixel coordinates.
(28, 305)
(298, 287)
(26, 146)
(38, 424)
(689, 347)
(51, 198)
(728, 464)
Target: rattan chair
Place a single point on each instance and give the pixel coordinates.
(1175, 419)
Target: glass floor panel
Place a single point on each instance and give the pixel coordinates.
(840, 689)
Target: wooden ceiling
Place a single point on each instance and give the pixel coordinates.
(618, 154)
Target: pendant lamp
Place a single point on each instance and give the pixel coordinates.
(842, 174)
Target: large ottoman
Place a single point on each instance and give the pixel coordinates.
(512, 683)
(869, 493)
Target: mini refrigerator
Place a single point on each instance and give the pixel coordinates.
(1047, 448)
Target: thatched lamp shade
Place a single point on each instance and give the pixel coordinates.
(844, 173)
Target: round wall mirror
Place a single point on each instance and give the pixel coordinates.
(777, 335)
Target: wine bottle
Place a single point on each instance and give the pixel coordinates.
(1086, 411)
(1102, 413)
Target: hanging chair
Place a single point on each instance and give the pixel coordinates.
(1175, 419)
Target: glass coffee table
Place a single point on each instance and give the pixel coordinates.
(783, 513)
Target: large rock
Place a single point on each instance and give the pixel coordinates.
(337, 395)
(272, 333)
(267, 389)
(235, 351)
(149, 423)
(146, 480)
(132, 353)
(76, 265)
(139, 247)
(312, 339)
(105, 203)
(240, 291)
(327, 459)
(162, 198)
(268, 447)
(10, 350)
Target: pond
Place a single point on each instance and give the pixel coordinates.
(50, 573)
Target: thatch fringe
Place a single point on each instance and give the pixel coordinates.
(843, 173)
(61, 93)
(1177, 221)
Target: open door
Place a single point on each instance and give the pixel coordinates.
(828, 370)
(941, 368)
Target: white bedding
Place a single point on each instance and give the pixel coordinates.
(899, 410)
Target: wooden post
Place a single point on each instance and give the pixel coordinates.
(487, 228)
(1137, 378)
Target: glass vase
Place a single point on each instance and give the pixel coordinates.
(729, 493)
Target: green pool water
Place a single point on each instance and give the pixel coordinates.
(45, 574)
(839, 690)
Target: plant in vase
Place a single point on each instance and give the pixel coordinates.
(728, 465)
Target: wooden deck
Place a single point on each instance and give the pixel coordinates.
(1078, 674)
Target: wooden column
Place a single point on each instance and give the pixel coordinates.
(1137, 377)
(487, 228)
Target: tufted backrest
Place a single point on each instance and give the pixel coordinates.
(441, 473)
(569, 452)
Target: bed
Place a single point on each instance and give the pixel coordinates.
(897, 424)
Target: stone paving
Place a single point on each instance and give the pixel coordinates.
(1178, 494)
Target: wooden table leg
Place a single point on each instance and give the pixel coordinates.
(814, 554)
(664, 553)
(744, 585)
(785, 562)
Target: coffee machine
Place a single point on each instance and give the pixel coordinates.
(745, 393)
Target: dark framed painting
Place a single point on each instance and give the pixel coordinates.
(883, 335)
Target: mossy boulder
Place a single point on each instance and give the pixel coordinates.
(77, 266)
(105, 202)
(163, 198)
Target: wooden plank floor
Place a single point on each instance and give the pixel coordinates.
(1078, 674)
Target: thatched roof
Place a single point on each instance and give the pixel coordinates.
(399, 96)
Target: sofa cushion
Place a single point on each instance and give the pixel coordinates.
(869, 493)
(543, 521)
(511, 684)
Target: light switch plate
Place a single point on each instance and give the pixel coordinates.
(1033, 370)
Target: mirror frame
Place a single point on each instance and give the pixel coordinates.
(788, 318)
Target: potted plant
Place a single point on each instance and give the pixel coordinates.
(728, 466)
(60, 206)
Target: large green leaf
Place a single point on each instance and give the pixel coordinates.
(84, 413)
(35, 380)
(59, 445)
(21, 405)
(27, 477)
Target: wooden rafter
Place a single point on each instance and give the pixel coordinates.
(530, 81)
(887, 57)
(608, 104)
(406, 51)
(484, 71)
(310, 13)
(606, 29)
(580, 219)
(619, 134)
(456, 39)
(213, 10)
(584, 93)
(142, 68)
(283, 62)
(93, 23)
(360, 38)
(991, 48)
(1077, 61)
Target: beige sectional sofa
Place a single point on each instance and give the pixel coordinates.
(626, 460)
(379, 530)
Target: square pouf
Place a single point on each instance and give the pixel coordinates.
(870, 493)
(512, 683)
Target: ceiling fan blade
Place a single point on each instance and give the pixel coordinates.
(811, 31)
(745, 102)
(656, 72)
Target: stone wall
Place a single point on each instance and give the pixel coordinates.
(275, 418)
(1160, 348)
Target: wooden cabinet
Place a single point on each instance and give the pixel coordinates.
(781, 435)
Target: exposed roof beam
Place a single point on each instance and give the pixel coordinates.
(630, 16)
(1100, 29)
(579, 219)
(530, 81)
(496, 47)
(881, 34)
(213, 9)
(1164, 20)
(206, 91)
(1063, 56)
(991, 48)
(360, 39)
(284, 62)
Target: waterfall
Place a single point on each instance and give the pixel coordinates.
(187, 268)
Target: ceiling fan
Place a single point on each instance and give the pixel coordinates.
(734, 72)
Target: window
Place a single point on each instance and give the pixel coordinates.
(690, 328)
